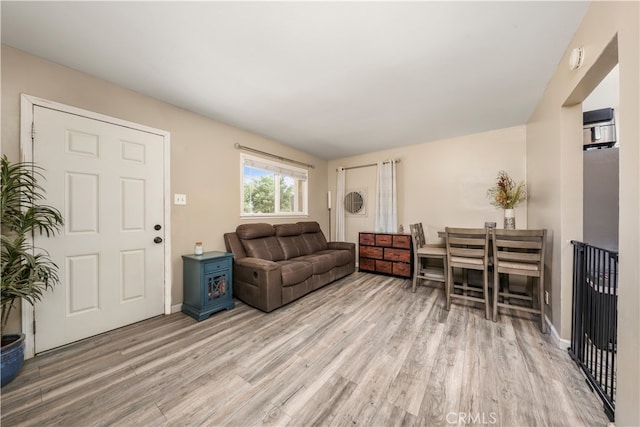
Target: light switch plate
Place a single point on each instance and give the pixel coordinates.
(179, 199)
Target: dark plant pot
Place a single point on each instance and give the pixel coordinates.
(12, 353)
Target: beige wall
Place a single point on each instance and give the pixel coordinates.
(441, 183)
(554, 165)
(204, 163)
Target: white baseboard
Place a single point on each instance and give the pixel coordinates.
(561, 343)
(176, 308)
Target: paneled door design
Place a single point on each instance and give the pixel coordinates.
(107, 180)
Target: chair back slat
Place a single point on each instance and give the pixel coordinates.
(467, 252)
(421, 237)
(520, 246)
(517, 256)
(515, 234)
(527, 244)
(467, 231)
(417, 235)
(467, 242)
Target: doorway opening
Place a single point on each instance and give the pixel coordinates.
(595, 159)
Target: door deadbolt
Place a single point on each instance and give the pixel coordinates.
(157, 227)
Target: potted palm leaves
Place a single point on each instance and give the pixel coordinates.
(27, 272)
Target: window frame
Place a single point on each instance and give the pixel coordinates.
(282, 167)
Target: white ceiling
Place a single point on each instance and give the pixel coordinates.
(331, 78)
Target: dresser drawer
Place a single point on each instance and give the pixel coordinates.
(217, 265)
(384, 239)
(370, 252)
(401, 269)
(367, 239)
(384, 266)
(402, 241)
(401, 255)
(367, 264)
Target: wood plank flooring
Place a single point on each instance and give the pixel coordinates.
(362, 351)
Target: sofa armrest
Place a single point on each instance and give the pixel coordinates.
(260, 282)
(341, 245)
(257, 264)
(346, 246)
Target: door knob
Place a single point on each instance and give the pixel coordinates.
(157, 240)
(157, 227)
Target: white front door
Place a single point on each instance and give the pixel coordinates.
(107, 180)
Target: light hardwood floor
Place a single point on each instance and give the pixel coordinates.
(362, 351)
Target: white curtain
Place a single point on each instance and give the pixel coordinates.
(340, 206)
(386, 198)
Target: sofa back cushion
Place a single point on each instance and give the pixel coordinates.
(313, 236)
(290, 238)
(259, 241)
(234, 245)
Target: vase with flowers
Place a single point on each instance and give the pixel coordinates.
(506, 194)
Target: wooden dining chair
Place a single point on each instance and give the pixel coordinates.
(519, 252)
(429, 260)
(467, 249)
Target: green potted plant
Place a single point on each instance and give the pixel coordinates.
(27, 271)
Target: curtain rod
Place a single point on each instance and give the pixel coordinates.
(274, 156)
(369, 165)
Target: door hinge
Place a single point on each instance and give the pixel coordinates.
(34, 326)
(33, 131)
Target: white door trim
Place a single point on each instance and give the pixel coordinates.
(27, 102)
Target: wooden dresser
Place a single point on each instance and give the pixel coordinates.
(385, 253)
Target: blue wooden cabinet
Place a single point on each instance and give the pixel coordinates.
(207, 283)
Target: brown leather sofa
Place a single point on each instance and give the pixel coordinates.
(277, 264)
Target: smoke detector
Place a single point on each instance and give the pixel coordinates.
(577, 58)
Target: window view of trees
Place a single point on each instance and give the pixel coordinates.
(286, 193)
(260, 192)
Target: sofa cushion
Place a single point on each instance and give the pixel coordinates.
(294, 272)
(233, 244)
(283, 230)
(290, 238)
(253, 231)
(293, 246)
(264, 248)
(259, 241)
(321, 262)
(341, 256)
(313, 237)
(310, 226)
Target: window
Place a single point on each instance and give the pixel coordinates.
(271, 188)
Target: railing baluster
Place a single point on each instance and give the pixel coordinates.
(594, 319)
